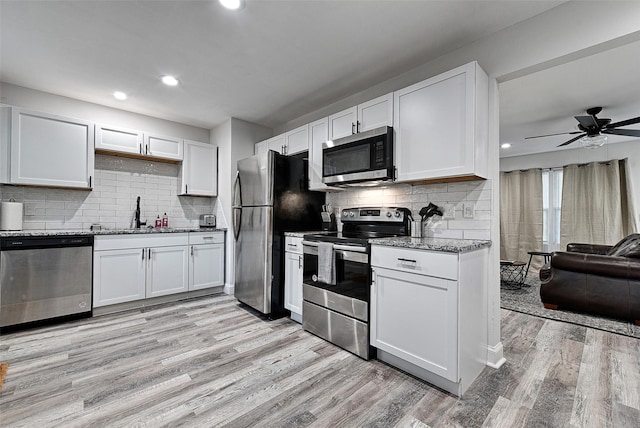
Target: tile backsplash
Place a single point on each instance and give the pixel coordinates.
(474, 195)
(112, 202)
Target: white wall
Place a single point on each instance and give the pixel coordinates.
(236, 140)
(555, 37)
(627, 149)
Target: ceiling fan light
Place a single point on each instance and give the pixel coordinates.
(593, 141)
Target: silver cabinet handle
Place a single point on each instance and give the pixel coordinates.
(299, 262)
(358, 126)
(192, 250)
(146, 149)
(407, 260)
(143, 254)
(207, 237)
(353, 128)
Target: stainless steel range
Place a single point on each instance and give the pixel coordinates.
(337, 276)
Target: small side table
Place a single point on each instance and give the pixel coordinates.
(512, 274)
(547, 259)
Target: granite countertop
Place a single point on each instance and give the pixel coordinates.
(63, 232)
(308, 232)
(433, 244)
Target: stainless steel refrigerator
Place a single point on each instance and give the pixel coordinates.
(270, 197)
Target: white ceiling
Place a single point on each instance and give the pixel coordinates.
(546, 102)
(269, 63)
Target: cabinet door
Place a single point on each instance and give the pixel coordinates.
(199, 170)
(375, 113)
(49, 150)
(118, 276)
(293, 282)
(415, 318)
(434, 126)
(297, 140)
(206, 269)
(261, 147)
(277, 143)
(167, 270)
(318, 134)
(120, 140)
(343, 123)
(163, 147)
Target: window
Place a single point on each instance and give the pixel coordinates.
(551, 204)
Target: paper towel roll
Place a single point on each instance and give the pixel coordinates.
(10, 215)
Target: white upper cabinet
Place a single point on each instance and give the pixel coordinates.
(261, 147)
(318, 134)
(343, 123)
(297, 140)
(441, 125)
(277, 144)
(115, 139)
(363, 117)
(199, 169)
(50, 150)
(163, 147)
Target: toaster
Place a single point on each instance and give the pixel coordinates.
(207, 220)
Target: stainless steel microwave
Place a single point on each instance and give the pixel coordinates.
(359, 159)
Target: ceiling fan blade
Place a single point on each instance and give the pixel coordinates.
(587, 121)
(572, 140)
(627, 132)
(551, 135)
(624, 123)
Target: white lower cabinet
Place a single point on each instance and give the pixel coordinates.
(206, 263)
(134, 267)
(167, 270)
(428, 313)
(118, 276)
(293, 277)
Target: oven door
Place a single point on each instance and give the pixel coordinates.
(367, 156)
(338, 313)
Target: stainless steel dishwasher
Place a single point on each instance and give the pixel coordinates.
(44, 277)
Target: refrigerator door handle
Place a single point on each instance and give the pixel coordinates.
(237, 221)
(237, 191)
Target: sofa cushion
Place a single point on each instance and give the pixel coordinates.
(627, 247)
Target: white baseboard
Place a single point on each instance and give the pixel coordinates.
(229, 289)
(495, 357)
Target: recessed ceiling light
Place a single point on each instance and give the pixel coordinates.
(119, 95)
(232, 4)
(505, 145)
(169, 80)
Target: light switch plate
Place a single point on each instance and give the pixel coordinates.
(449, 211)
(467, 210)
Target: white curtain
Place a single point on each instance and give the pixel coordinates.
(597, 207)
(521, 215)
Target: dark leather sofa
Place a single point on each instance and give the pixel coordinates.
(598, 279)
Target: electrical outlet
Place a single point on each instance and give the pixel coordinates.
(449, 211)
(467, 210)
(29, 208)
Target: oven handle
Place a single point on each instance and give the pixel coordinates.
(352, 248)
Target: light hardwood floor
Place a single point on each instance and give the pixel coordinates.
(209, 362)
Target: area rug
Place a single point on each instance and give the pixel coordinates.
(3, 372)
(527, 300)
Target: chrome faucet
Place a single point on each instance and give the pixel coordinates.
(137, 217)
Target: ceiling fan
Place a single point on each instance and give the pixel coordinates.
(591, 129)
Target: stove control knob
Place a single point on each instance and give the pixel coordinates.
(352, 214)
(344, 213)
(388, 213)
(397, 213)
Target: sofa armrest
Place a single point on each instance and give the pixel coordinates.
(618, 267)
(588, 248)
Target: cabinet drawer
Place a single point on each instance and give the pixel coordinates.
(432, 263)
(197, 238)
(293, 245)
(121, 242)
